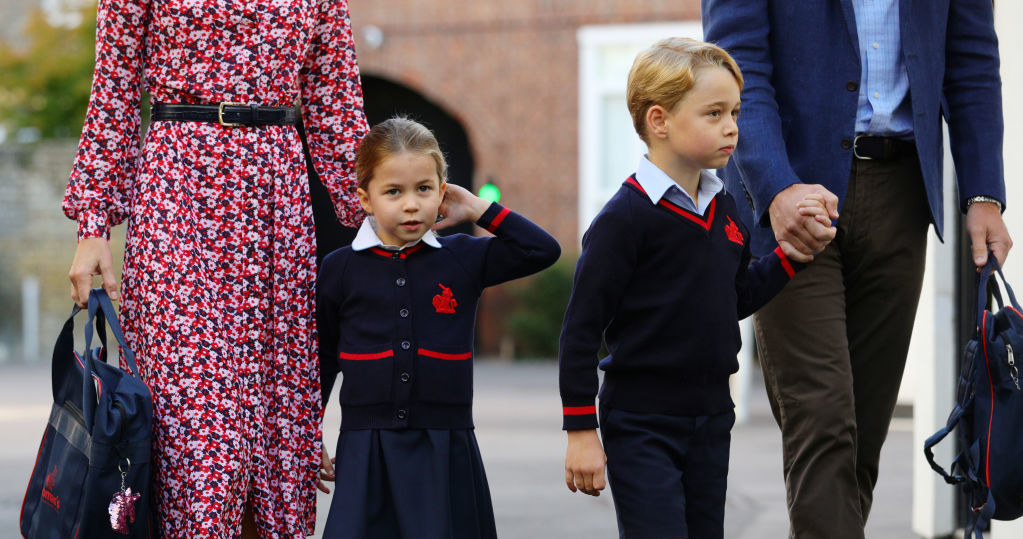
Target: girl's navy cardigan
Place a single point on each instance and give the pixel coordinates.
(399, 324)
(665, 289)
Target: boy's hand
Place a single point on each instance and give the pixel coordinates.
(800, 237)
(584, 462)
(459, 206)
(814, 205)
(326, 471)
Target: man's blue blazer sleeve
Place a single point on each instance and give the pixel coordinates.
(742, 28)
(973, 99)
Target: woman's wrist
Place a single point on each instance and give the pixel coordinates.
(92, 224)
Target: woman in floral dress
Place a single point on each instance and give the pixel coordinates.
(219, 271)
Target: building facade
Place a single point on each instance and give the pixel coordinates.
(528, 96)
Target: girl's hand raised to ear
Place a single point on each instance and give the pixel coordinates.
(459, 206)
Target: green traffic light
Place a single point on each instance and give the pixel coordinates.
(490, 193)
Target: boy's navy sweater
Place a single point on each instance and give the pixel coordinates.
(665, 288)
(399, 324)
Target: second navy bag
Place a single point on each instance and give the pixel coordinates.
(988, 413)
(91, 478)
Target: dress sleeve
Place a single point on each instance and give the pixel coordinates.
(332, 107)
(108, 152)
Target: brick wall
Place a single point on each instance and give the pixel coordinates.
(508, 71)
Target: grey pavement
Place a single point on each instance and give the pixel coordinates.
(518, 420)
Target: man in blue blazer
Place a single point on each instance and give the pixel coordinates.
(847, 97)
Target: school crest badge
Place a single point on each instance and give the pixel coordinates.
(445, 302)
(733, 232)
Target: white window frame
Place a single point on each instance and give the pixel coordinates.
(593, 91)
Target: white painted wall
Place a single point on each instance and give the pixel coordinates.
(1008, 18)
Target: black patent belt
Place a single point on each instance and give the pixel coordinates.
(871, 148)
(225, 114)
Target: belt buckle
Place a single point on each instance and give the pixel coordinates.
(856, 153)
(220, 114)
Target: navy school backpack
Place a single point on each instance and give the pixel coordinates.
(91, 478)
(989, 413)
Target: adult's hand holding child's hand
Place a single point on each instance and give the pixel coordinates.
(800, 237)
(815, 206)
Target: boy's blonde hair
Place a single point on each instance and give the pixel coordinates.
(394, 136)
(662, 74)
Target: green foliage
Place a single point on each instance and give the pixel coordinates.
(46, 84)
(535, 323)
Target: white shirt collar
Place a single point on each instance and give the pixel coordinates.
(656, 183)
(367, 237)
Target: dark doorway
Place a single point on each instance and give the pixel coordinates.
(383, 99)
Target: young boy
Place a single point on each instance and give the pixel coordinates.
(664, 277)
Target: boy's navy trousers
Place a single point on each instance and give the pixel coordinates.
(668, 474)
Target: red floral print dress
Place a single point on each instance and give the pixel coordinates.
(219, 272)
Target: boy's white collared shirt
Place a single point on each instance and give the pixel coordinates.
(659, 185)
(367, 237)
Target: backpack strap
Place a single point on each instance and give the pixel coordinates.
(953, 420)
(978, 519)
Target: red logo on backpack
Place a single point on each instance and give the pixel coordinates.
(445, 302)
(733, 232)
(48, 496)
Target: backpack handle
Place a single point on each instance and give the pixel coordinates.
(987, 272)
(105, 313)
(100, 309)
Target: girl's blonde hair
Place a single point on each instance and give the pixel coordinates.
(394, 136)
(663, 73)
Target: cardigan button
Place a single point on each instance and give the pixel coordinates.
(402, 413)
(403, 313)
(405, 377)
(400, 281)
(405, 345)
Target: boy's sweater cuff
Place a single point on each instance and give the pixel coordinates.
(493, 217)
(790, 266)
(579, 417)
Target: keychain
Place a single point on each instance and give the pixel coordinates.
(122, 506)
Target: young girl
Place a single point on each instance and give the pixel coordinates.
(396, 316)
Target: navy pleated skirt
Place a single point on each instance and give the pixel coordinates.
(410, 484)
